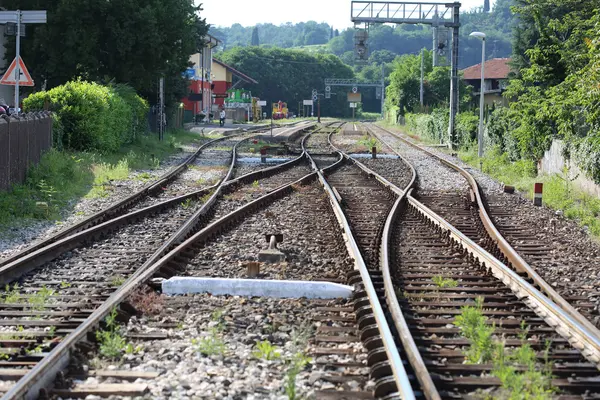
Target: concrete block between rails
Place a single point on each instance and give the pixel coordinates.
(256, 288)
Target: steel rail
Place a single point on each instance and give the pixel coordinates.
(42, 374)
(117, 208)
(506, 249)
(113, 209)
(563, 323)
(399, 373)
(410, 347)
(578, 335)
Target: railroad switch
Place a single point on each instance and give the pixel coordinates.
(272, 254)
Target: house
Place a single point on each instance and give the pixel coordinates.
(495, 80)
(200, 75)
(227, 78)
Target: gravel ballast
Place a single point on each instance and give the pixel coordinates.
(568, 261)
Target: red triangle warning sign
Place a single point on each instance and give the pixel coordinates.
(24, 77)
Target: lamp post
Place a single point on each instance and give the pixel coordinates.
(481, 35)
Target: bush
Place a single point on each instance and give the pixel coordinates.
(89, 116)
(139, 109)
(467, 125)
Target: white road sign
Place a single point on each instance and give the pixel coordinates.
(262, 103)
(354, 89)
(352, 105)
(308, 102)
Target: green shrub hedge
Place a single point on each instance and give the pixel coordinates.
(89, 116)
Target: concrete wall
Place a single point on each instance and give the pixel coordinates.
(6, 92)
(554, 162)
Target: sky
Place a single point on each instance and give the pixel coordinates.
(252, 12)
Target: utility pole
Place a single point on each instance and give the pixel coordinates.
(454, 77)
(382, 91)
(422, 75)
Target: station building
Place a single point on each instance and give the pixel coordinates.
(200, 74)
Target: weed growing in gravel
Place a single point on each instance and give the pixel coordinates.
(522, 377)
(206, 197)
(187, 203)
(130, 349)
(144, 177)
(265, 350)
(117, 280)
(296, 363)
(255, 184)
(111, 342)
(13, 295)
(442, 282)
(368, 141)
(65, 285)
(39, 299)
(210, 345)
(472, 325)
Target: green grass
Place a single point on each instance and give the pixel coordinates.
(559, 193)
(63, 176)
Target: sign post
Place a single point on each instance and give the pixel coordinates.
(19, 17)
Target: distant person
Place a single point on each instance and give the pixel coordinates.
(222, 118)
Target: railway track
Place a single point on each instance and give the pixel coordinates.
(396, 251)
(466, 208)
(431, 269)
(63, 290)
(338, 347)
(149, 194)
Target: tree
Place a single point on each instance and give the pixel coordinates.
(337, 33)
(290, 75)
(331, 33)
(486, 6)
(255, 41)
(125, 41)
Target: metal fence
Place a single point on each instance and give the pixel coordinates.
(23, 140)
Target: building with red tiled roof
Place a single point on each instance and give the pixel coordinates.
(496, 77)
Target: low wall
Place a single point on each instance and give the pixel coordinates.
(554, 163)
(23, 140)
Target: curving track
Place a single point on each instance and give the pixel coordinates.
(419, 247)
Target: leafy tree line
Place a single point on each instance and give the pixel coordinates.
(122, 41)
(557, 54)
(396, 40)
(285, 35)
(290, 75)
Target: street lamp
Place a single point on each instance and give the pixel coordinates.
(481, 35)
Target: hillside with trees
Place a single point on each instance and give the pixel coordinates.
(391, 40)
(290, 75)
